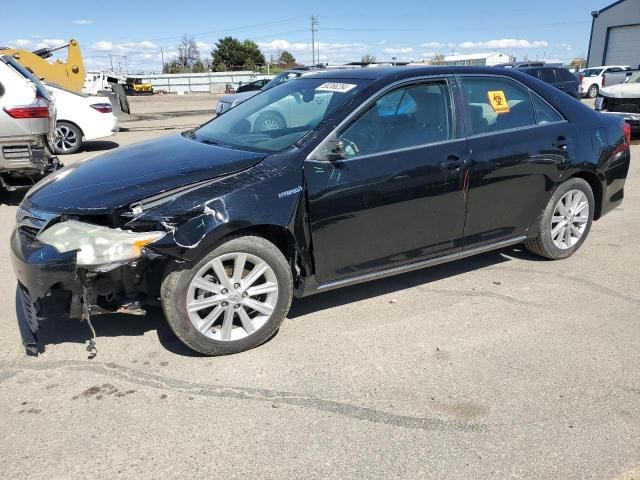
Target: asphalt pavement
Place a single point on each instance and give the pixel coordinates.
(498, 366)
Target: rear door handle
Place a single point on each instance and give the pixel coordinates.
(453, 163)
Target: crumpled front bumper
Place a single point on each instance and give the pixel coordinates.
(38, 267)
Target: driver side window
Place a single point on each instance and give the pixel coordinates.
(403, 118)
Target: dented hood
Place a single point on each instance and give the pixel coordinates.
(622, 90)
(126, 175)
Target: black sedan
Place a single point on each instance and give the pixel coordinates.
(253, 86)
(367, 173)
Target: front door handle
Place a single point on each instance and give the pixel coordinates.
(561, 142)
(453, 163)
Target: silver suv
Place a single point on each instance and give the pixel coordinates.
(27, 126)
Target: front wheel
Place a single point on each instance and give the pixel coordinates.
(593, 91)
(270, 121)
(566, 221)
(231, 300)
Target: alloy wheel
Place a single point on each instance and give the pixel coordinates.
(232, 296)
(66, 138)
(270, 124)
(570, 219)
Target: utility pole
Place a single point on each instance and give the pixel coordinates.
(162, 56)
(111, 61)
(126, 65)
(314, 30)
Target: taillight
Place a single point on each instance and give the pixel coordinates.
(102, 107)
(604, 79)
(627, 133)
(38, 109)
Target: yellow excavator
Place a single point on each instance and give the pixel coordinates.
(69, 74)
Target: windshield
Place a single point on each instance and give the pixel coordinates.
(282, 78)
(592, 72)
(279, 117)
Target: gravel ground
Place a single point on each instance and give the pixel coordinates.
(498, 366)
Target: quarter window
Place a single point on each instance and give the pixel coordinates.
(497, 104)
(544, 113)
(404, 118)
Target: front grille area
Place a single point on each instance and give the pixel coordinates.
(29, 232)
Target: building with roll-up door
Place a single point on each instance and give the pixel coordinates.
(615, 35)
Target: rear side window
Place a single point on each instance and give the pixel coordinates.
(544, 112)
(497, 104)
(547, 75)
(406, 117)
(564, 75)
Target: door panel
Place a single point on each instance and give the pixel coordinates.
(518, 154)
(512, 175)
(385, 210)
(390, 202)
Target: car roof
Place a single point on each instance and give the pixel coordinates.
(381, 73)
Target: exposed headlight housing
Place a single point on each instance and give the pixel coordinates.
(97, 245)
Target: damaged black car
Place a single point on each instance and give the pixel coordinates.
(332, 179)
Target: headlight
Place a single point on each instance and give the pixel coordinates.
(97, 245)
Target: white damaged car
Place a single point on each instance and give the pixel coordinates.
(80, 118)
(622, 99)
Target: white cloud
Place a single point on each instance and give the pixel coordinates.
(566, 46)
(25, 44)
(505, 43)
(82, 21)
(124, 48)
(329, 52)
(204, 46)
(432, 45)
(395, 51)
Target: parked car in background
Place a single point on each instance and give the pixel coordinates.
(622, 100)
(80, 118)
(520, 64)
(253, 86)
(374, 172)
(559, 77)
(595, 78)
(227, 102)
(27, 122)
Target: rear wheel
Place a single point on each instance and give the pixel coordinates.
(233, 299)
(68, 138)
(566, 221)
(593, 91)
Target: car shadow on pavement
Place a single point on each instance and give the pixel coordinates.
(96, 146)
(342, 296)
(58, 329)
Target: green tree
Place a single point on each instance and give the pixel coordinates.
(367, 59)
(172, 67)
(198, 67)
(286, 58)
(231, 54)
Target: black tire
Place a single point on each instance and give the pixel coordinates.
(72, 138)
(543, 244)
(270, 118)
(593, 91)
(175, 286)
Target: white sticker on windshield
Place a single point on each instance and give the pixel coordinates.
(336, 87)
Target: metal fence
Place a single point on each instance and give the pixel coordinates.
(211, 82)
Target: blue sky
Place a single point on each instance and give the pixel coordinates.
(406, 29)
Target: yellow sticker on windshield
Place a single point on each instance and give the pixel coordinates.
(498, 101)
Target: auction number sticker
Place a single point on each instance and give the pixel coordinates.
(336, 87)
(498, 101)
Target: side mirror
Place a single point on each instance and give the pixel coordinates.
(336, 151)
